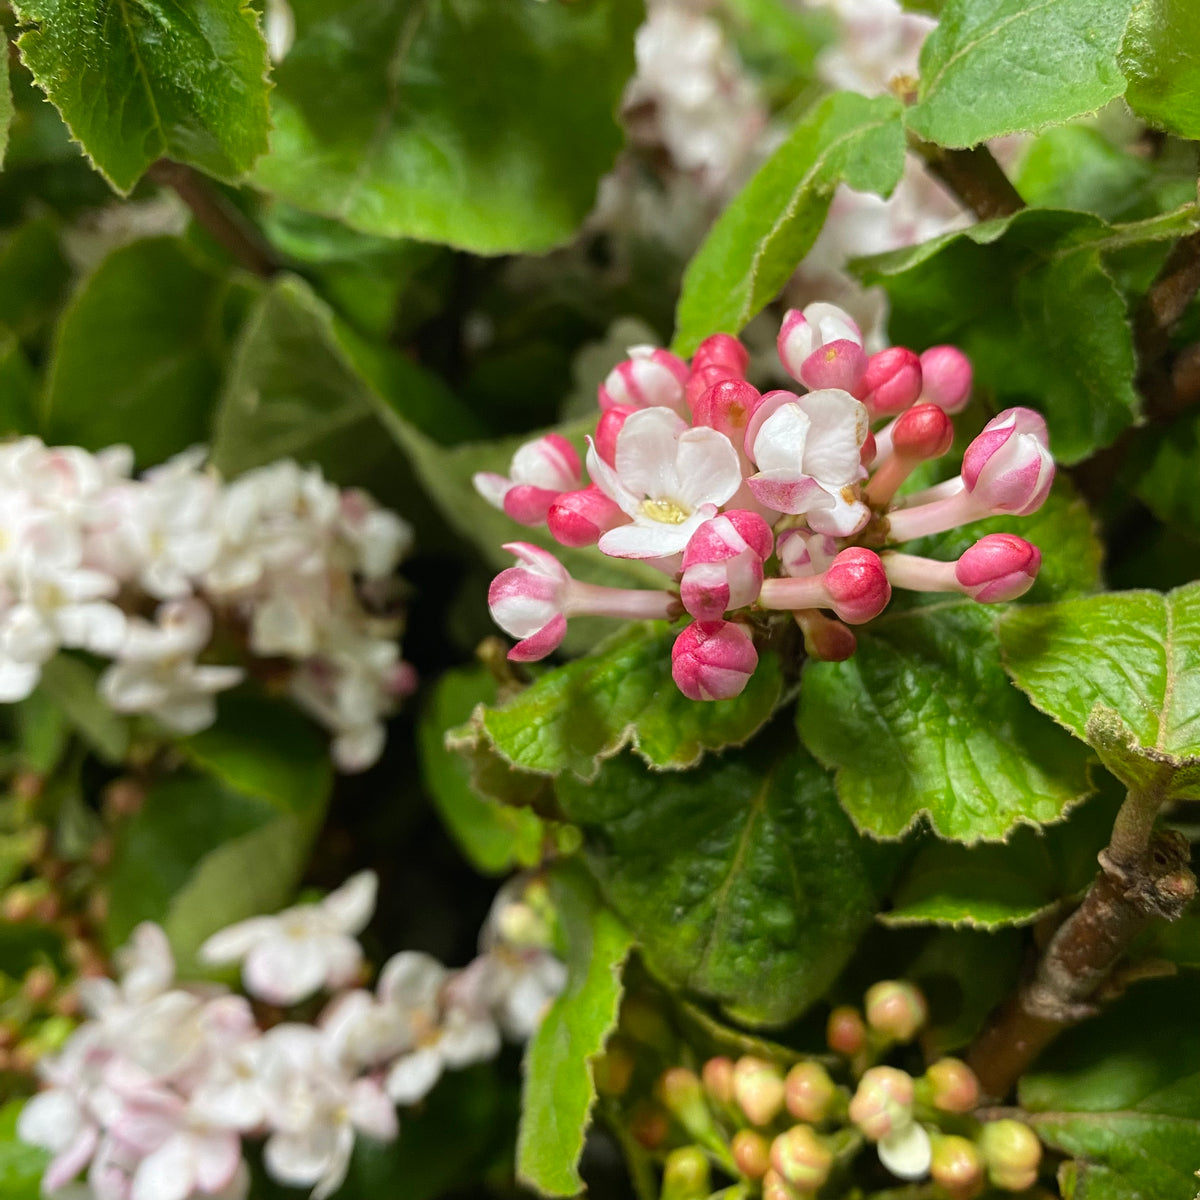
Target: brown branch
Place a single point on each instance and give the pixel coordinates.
(221, 219)
(1125, 897)
(1158, 314)
(974, 176)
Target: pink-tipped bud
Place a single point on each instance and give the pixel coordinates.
(758, 1089)
(1008, 467)
(717, 1077)
(681, 1094)
(775, 1187)
(540, 471)
(611, 422)
(802, 1158)
(649, 1125)
(724, 351)
(802, 552)
(955, 1165)
(841, 364)
(883, 1103)
(999, 567)
(896, 1009)
(704, 378)
(648, 378)
(845, 1031)
(809, 1093)
(686, 1175)
(891, 382)
(825, 639)
(727, 407)
(527, 602)
(751, 1153)
(858, 585)
(804, 333)
(946, 378)
(713, 660)
(952, 1086)
(922, 433)
(581, 518)
(723, 564)
(1012, 1153)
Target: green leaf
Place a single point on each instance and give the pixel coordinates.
(1016, 65)
(17, 388)
(495, 837)
(21, 1165)
(207, 850)
(1121, 671)
(43, 732)
(743, 881)
(1161, 471)
(574, 716)
(1161, 59)
(6, 101)
(137, 356)
(71, 684)
(1073, 362)
(183, 79)
(761, 236)
(1121, 1094)
(486, 126)
(559, 1090)
(33, 276)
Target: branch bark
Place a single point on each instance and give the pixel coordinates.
(974, 176)
(214, 213)
(1161, 309)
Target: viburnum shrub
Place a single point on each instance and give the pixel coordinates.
(599, 597)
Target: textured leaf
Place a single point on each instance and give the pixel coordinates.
(762, 235)
(574, 716)
(1121, 671)
(559, 1090)
(495, 837)
(1121, 1094)
(137, 354)
(742, 880)
(1006, 66)
(21, 1165)
(1073, 362)
(137, 81)
(1161, 59)
(486, 126)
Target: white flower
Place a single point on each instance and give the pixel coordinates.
(907, 1152)
(669, 478)
(288, 957)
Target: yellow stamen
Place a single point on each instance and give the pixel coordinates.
(669, 512)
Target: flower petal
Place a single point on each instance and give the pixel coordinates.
(707, 467)
(646, 451)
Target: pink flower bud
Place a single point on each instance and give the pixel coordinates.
(717, 1076)
(841, 364)
(1012, 1153)
(952, 1086)
(858, 585)
(540, 471)
(803, 333)
(648, 378)
(955, 1165)
(713, 660)
(704, 378)
(999, 567)
(727, 407)
(825, 639)
(751, 1153)
(802, 1158)
(845, 1031)
(610, 424)
(946, 378)
(527, 602)
(892, 381)
(723, 564)
(896, 1008)
(724, 351)
(758, 1089)
(809, 1092)
(922, 433)
(883, 1103)
(1008, 467)
(580, 518)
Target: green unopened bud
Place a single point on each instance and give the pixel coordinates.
(751, 1152)
(649, 1125)
(951, 1086)
(758, 1089)
(718, 1079)
(846, 1033)
(1012, 1154)
(809, 1093)
(802, 1158)
(613, 1070)
(775, 1187)
(682, 1095)
(883, 1103)
(957, 1167)
(686, 1175)
(642, 1020)
(896, 1009)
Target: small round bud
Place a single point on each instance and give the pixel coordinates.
(802, 1158)
(946, 378)
(18, 905)
(825, 639)
(39, 984)
(883, 1103)
(896, 1009)
(998, 568)
(610, 424)
(682, 1095)
(123, 798)
(721, 350)
(1008, 468)
(581, 518)
(648, 378)
(717, 1076)
(686, 1175)
(751, 1152)
(613, 1070)
(858, 585)
(809, 1092)
(1012, 1154)
(775, 1187)
(845, 1031)
(713, 660)
(922, 433)
(758, 1089)
(957, 1167)
(892, 381)
(649, 1125)
(952, 1086)
(727, 407)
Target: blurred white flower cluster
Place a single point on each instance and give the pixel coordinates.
(140, 571)
(152, 1096)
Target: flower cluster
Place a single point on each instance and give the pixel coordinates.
(751, 503)
(140, 570)
(154, 1094)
